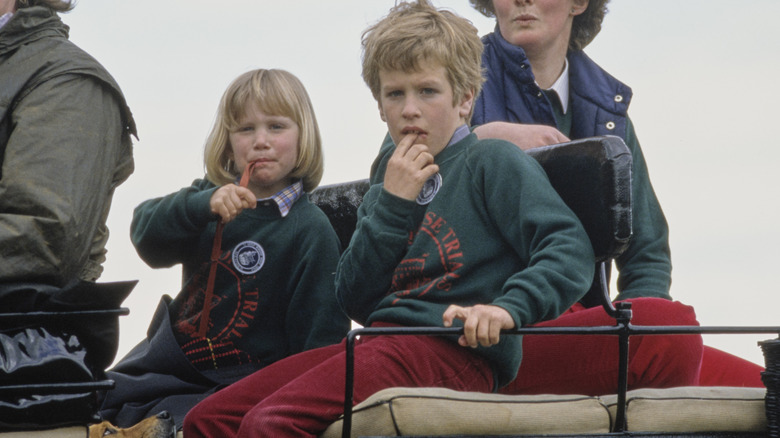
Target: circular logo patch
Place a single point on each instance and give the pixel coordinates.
(248, 257)
(429, 189)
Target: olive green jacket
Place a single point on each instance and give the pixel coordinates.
(64, 147)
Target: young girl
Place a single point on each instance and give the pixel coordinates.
(266, 290)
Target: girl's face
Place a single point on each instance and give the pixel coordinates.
(273, 140)
(537, 26)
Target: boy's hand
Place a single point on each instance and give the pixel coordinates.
(408, 168)
(230, 200)
(482, 324)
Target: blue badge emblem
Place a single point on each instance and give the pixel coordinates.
(429, 189)
(248, 257)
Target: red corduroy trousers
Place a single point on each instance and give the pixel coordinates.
(572, 364)
(301, 395)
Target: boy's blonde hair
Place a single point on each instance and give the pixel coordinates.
(413, 33)
(275, 92)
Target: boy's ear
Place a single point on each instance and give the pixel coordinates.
(381, 112)
(466, 102)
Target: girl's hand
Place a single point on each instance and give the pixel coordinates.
(230, 200)
(482, 324)
(408, 168)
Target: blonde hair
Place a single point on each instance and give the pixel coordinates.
(413, 33)
(275, 92)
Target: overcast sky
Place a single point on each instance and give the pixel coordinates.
(705, 80)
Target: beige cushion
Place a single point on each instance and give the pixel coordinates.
(436, 411)
(694, 409)
(62, 432)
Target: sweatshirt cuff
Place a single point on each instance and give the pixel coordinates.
(398, 212)
(199, 209)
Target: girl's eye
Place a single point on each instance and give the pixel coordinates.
(277, 126)
(244, 128)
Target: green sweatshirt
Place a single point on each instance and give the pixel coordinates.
(274, 287)
(645, 267)
(495, 233)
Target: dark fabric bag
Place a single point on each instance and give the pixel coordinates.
(55, 344)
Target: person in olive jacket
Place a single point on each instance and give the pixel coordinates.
(65, 145)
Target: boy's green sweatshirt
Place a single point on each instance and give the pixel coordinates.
(495, 233)
(645, 267)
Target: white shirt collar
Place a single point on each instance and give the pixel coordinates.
(561, 86)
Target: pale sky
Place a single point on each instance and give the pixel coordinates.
(704, 75)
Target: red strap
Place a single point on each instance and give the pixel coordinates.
(215, 250)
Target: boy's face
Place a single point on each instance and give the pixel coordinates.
(420, 103)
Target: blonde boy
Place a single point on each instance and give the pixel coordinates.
(443, 241)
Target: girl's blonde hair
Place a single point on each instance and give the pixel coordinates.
(275, 92)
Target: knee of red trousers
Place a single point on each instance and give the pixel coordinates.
(197, 423)
(268, 422)
(211, 418)
(663, 361)
(654, 360)
(659, 311)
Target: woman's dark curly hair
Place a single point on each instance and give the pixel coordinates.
(586, 25)
(56, 5)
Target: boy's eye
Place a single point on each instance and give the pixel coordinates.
(428, 90)
(395, 93)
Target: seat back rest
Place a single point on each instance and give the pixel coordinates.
(340, 203)
(592, 176)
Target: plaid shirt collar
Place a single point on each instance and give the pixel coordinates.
(286, 197)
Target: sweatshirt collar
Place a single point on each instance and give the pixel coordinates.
(460, 133)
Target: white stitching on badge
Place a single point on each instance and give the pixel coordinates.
(248, 257)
